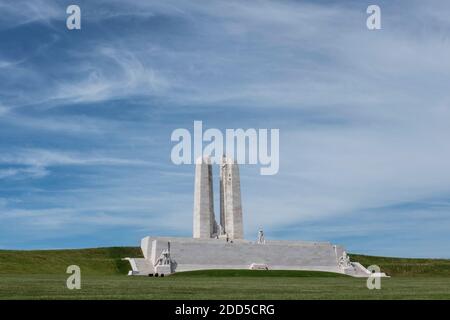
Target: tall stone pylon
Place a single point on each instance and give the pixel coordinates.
(230, 200)
(204, 220)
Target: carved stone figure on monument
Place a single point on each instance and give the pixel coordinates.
(261, 239)
(344, 261)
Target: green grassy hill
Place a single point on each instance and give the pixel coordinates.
(406, 267)
(42, 274)
(108, 261)
(98, 261)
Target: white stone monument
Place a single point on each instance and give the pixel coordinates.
(223, 246)
(204, 220)
(230, 200)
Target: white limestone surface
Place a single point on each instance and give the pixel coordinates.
(200, 254)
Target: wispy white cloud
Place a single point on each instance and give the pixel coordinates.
(3, 110)
(23, 12)
(79, 125)
(34, 163)
(41, 157)
(363, 115)
(120, 74)
(100, 212)
(19, 173)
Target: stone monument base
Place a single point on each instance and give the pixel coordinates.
(166, 255)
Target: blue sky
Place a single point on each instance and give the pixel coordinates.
(86, 118)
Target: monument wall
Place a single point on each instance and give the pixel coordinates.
(200, 254)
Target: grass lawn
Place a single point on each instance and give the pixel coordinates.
(41, 275)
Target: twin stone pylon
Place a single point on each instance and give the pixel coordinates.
(230, 200)
(204, 220)
(231, 224)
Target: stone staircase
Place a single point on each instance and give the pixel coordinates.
(140, 267)
(358, 270)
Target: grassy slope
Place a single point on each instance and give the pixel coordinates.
(42, 275)
(99, 261)
(407, 267)
(107, 261)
